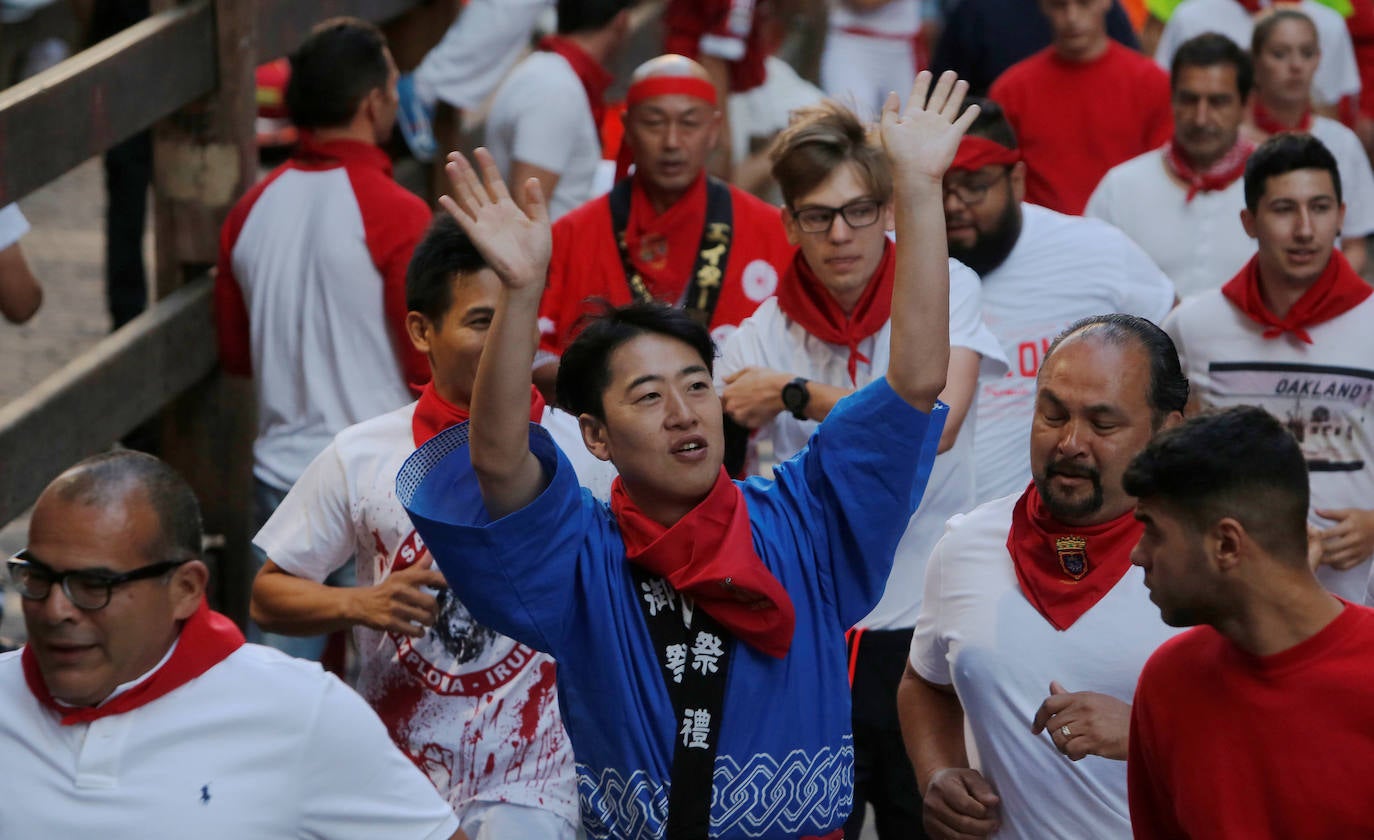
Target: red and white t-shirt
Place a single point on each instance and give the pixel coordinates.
(1076, 120)
(310, 299)
(731, 30)
(476, 711)
(1062, 268)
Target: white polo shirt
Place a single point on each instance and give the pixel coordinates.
(260, 746)
(1062, 268)
(1199, 244)
(770, 339)
(978, 633)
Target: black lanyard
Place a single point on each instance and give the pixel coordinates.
(713, 253)
(693, 661)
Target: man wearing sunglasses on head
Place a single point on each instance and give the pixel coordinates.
(136, 711)
(1041, 271)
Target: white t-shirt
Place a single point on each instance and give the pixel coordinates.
(1062, 268)
(540, 116)
(1357, 179)
(1199, 244)
(13, 225)
(261, 746)
(894, 19)
(478, 48)
(1322, 391)
(770, 339)
(978, 633)
(1337, 75)
(475, 710)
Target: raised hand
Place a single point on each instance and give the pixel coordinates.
(515, 244)
(922, 140)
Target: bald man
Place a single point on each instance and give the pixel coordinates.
(668, 231)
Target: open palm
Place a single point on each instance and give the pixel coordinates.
(515, 244)
(923, 139)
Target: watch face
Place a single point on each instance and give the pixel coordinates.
(794, 396)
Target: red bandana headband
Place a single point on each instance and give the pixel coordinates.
(668, 86)
(977, 152)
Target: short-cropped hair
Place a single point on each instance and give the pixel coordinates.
(1212, 49)
(588, 15)
(1240, 463)
(821, 139)
(110, 478)
(339, 63)
(991, 122)
(1284, 153)
(1168, 386)
(444, 253)
(584, 372)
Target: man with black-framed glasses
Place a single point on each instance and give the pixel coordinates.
(826, 334)
(136, 711)
(1041, 271)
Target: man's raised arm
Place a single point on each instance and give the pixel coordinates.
(516, 244)
(921, 143)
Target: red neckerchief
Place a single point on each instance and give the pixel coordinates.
(433, 413)
(1268, 123)
(709, 555)
(1254, 7)
(311, 153)
(207, 638)
(595, 78)
(803, 298)
(1220, 175)
(1065, 570)
(1337, 290)
(664, 247)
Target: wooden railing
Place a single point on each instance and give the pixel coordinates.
(186, 72)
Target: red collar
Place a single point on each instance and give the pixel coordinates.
(1337, 290)
(595, 78)
(803, 298)
(1064, 571)
(709, 555)
(312, 154)
(1268, 123)
(1221, 174)
(433, 413)
(663, 246)
(207, 638)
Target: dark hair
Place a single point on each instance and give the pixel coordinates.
(584, 372)
(1209, 50)
(443, 254)
(819, 140)
(107, 479)
(588, 15)
(1240, 463)
(339, 63)
(991, 122)
(1266, 26)
(1284, 153)
(1168, 386)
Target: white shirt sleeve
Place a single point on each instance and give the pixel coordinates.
(311, 532)
(929, 655)
(1338, 74)
(1357, 187)
(540, 122)
(966, 325)
(1145, 290)
(1100, 203)
(355, 783)
(13, 225)
(743, 348)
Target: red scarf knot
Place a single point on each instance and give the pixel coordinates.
(433, 413)
(595, 79)
(1064, 571)
(207, 638)
(1337, 290)
(1224, 172)
(709, 555)
(977, 152)
(1268, 123)
(803, 298)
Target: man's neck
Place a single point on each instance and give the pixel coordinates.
(1279, 291)
(1287, 113)
(1093, 53)
(660, 200)
(1201, 164)
(458, 398)
(1282, 612)
(358, 131)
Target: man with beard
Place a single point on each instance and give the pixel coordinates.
(1041, 271)
(668, 231)
(1181, 202)
(1223, 499)
(1035, 593)
(476, 710)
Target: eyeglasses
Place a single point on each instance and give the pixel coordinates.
(86, 590)
(971, 195)
(857, 214)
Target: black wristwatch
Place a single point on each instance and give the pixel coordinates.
(795, 397)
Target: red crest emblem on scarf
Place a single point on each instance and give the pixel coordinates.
(1073, 556)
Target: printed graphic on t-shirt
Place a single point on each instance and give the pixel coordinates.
(1324, 407)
